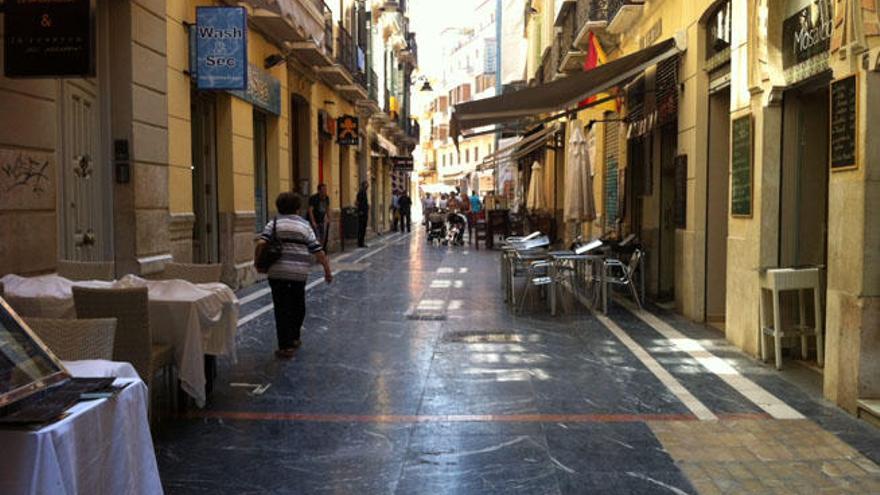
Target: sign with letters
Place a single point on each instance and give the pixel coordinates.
(741, 167)
(807, 33)
(347, 128)
(263, 91)
(221, 48)
(402, 163)
(844, 123)
(49, 38)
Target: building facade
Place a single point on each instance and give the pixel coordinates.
(747, 151)
(470, 71)
(139, 166)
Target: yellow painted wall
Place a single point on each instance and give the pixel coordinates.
(235, 152)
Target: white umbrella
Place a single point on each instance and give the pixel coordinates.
(535, 200)
(579, 203)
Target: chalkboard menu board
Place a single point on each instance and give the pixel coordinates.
(741, 167)
(844, 123)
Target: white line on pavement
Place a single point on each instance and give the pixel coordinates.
(773, 406)
(265, 309)
(696, 407)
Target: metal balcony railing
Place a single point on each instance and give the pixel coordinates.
(592, 11)
(614, 7)
(327, 45)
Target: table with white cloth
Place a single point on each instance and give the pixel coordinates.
(195, 319)
(101, 446)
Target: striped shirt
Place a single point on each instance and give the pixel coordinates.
(299, 243)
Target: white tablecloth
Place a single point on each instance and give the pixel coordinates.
(97, 368)
(195, 319)
(101, 447)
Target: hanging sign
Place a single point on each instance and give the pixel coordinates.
(221, 48)
(49, 38)
(844, 123)
(402, 163)
(347, 130)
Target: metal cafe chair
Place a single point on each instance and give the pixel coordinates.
(619, 273)
(538, 274)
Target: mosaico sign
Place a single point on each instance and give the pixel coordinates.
(807, 33)
(49, 38)
(221, 48)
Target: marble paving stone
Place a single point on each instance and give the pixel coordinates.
(485, 401)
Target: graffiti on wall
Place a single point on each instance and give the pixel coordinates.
(23, 171)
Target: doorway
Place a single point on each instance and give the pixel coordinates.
(300, 120)
(717, 194)
(803, 222)
(204, 178)
(666, 256)
(261, 167)
(86, 194)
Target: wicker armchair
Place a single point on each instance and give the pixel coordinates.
(86, 270)
(74, 340)
(197, 274)
(134, 340)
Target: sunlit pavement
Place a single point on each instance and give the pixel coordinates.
(415, 378)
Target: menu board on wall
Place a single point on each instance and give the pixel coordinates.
(844, 123)
(741, 167)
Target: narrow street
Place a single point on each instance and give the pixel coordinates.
(414, 377)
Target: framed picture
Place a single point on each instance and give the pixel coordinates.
(27, 366)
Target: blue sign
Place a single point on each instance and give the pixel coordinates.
(263, 91)
(221, 48)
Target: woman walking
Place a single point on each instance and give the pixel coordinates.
(295, 242)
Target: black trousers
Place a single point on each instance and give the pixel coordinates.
(362, 228)
(289, 298)
(405, 220)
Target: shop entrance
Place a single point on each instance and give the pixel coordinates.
(86, 194)
(717, 194)
(300, 150)
(204, 178)
(803, 223)
(666, 256)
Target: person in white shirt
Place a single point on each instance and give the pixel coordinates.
(442, 203)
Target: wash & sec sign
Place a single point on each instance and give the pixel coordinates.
(221, 48)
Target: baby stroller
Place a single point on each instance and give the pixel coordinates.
(436, 227)
(456, 226)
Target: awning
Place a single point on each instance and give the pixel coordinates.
(563, 93)
(519, 144)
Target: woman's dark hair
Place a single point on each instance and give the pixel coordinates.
(288, 203)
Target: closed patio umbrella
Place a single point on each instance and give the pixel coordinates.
(579, 203)
(535, 200)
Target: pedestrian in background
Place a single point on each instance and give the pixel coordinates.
(288, 274)
(427, 207)
(395, 210)
(319, 206)
(404, 205)
(476, 204)
(442, 203)
(363, 209)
